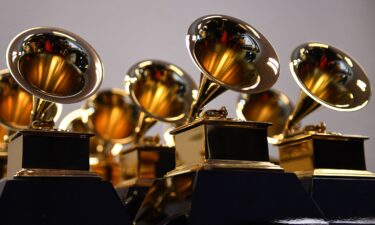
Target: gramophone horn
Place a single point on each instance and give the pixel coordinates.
(54, 65)
(230, 55)
(161, 90)
(112, 116)
(268, 106)
(329, 77)
(16, 105)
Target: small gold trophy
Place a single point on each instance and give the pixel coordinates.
(162, 92)
(112, 116)
(226, 176)
(48, 170)
(15, 111)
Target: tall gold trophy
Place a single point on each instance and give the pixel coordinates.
(48, 170)
(330, 165)
(162, 92)
(226, 176)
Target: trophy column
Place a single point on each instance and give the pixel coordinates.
(331, 165)
(48, 179)
(226, 176)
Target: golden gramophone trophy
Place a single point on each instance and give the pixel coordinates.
(163, 92)
(331, 165)
(15, 110)
(226, 176)
(48, 179)
(112, 116)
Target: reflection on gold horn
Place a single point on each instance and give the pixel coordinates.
(54, 65)
(161, 90)
(231, 55)
(113, 116)
(16, 105)
(269, 106)
(329, 77)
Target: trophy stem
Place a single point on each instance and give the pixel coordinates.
(207, 91)
(305, 105)
(143, 125)
(40, 119)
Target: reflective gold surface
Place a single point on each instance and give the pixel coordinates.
(329, 77)
(4, 132)
(269, 106)
(147, 162)
(160, 89)
(324, 154)
(231, 55)
(15, 103)
(225, 64)
(51, 74)
(54, 64)
(114, 117)
(3, 135)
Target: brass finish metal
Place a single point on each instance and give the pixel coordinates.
(327, 76)
(4, 135)
(15, 110)
(224, 164)
(113, 117)
(146, 162)
(343, 173)
(54, 65)
(161, 90)
(269, 106)
(16, 105)
(55, 173)
(231, 55)
(324, 154)
(4, 132)
(248, 145)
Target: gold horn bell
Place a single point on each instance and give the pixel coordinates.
(329, 77)
(54, 65)
(230, 55)
(161, 90)
(112, 116)
(268, 106)
(16, 105)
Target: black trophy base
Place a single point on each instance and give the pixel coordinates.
(228, 197)
(132, 198)
(60, 201)
(345, 200)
